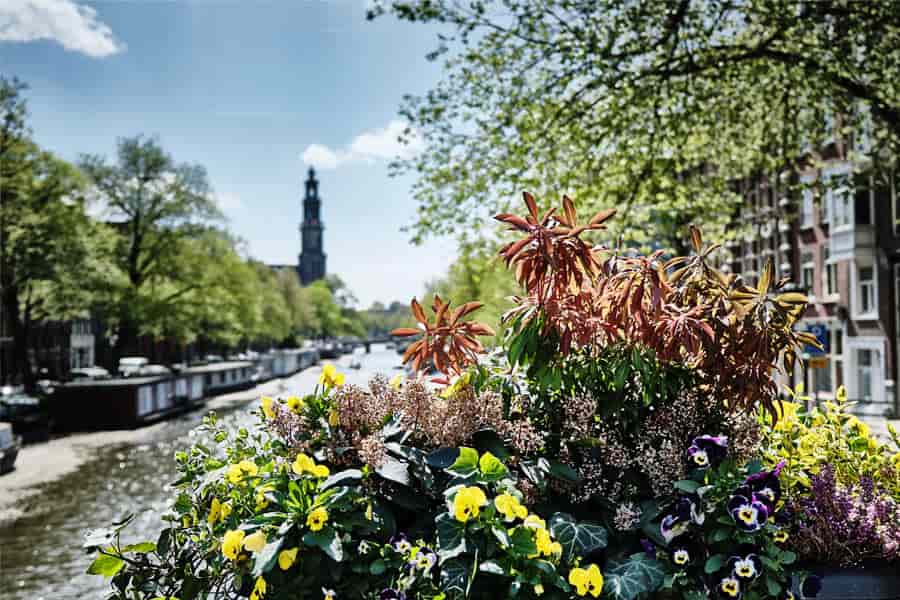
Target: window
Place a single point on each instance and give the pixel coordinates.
(862, 207)
(866, 286)
(808, 272)
(807, 209)
(830, 275)
(841, 201)
(864, 366)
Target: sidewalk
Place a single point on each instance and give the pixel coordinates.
(878, 425)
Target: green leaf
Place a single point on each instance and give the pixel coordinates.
(788, 557)
(451, 535)
(687, 485)
(577, 539)
(493, 567)
(106, 565)
(377, 567)
(266, 557)
(563, 471)
(487, 440)
(773, 586)
(491, 468)
(327, 540)
(719, 535)
(455, 578)
(522, 541)
(442, 457)
(141, 548)
(628, 579)
(466, 464)
(501, 535)
(347, 477)
(394, 470)
(714, 563)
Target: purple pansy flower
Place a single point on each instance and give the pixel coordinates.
(707, 450)
(766, 487)
(686, 511)
(392, 594)
(729, 587)
(745, 564)
(684, 552)
(748, 512)
(400, 544)
(423, 560)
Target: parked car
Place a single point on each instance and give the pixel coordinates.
(130, 365)
(25, 412)
(9, 447)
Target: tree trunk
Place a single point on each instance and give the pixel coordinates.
(21, 364)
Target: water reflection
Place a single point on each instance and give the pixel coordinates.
(41, 556)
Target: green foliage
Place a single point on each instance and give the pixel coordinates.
(652, 107)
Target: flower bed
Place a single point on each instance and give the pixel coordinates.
(625, 439)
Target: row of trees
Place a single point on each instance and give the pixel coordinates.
(156, 261)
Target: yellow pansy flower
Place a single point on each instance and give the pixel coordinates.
(587, 581)
(317, 519)
(543, 542)
(232, 543)
(224, 511)
(330, 377)
(510, 507)
(860, 427)
(286, 558)
(334, 418)
(535, 522)
(214, 511)
(255, 542)
(467, 503)
(303, 464)
(235, 474)
(328, 594)
(295, 404)
(320, 471)
(556, 550)
(259, 590)
(245, 468)
(396, 382)
(261, 501)
(266, 404)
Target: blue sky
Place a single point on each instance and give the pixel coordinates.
(249, 89)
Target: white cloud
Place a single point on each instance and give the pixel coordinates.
(74, 26)
(369, 146)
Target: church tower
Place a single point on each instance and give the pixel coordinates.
(312, 259)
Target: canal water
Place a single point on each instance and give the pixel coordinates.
(41, 556)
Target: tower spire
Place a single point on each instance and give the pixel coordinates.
(312, 257)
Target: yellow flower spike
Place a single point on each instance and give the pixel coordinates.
(266, 404)
(317, 519)
(294, 404)
(303, 464)
(232, 543)
(841, 394)
(214, 511)
(259, 589)
(286, 558)
(396, 382)
(467, 503)
(255, 542)
(235, 474)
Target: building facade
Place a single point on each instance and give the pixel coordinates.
(838, 240)
(312, 258)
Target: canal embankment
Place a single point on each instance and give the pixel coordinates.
(43, 463)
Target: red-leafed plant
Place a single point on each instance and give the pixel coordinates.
(448, 342)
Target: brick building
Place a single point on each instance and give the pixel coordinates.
(838, 239)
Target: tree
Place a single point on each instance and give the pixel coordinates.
(157, 204)
(50, 251)
(653, 107)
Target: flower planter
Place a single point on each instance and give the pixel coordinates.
(872, 581)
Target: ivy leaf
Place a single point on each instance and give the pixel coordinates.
(106, 565)
(687, 485)
(451, 535)
(577, 539)
(636, 575)
(442, 457)
(327, 540)
(455, 578)
(466, 464)
(347, 477)
(266, 558)
(487, 440)
(491, 468)
(492, 567)
(562, 471)
(522, 541)
(394, 470)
